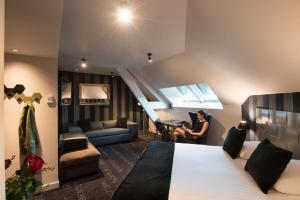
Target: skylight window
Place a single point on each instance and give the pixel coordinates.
(192, 96)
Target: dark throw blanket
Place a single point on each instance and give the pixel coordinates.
(151, 176)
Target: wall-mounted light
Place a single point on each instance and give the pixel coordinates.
(14, 50)
(124, 13)
(112, 74)
(83, 63)
(149, 57)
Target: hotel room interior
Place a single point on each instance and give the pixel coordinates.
(150, 99)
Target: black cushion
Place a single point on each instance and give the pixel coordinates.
(267, 163)
(194, 118)
(122, 122)
(207, 117)
(234, 141)
(73, 141)
(85, 125)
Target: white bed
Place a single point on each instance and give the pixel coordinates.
(208, 172)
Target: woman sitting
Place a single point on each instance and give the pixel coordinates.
(198, 131)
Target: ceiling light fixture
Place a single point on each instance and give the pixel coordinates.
(83, 63)
(124, 13)
(149, 57)
(15, 50)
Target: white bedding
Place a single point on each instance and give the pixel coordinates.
(208, 173)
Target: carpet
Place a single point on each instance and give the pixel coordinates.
(116, 162)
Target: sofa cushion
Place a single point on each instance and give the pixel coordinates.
(96, 125)
(73, 141)
(110, 124)
(90, 154)
(106, 132)
(85, 125)
(122, 122)
(74, 129)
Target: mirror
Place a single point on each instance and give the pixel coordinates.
(66, 93)
(94, 94)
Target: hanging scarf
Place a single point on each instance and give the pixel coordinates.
(28, 130)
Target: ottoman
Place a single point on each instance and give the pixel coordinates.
(79, 163)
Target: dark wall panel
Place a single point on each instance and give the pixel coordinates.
(296, 102)
(123, 103)
(289, 102)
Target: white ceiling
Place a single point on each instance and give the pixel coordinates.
(33, 27)
(90, 30)
(238, 47)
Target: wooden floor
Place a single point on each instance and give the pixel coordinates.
(115, 163)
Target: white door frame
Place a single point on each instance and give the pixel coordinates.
(2, 149)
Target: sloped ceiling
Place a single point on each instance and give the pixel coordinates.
(239, 48)
(90, 30)
(33, 27)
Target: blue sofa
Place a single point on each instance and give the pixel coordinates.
(107, 132)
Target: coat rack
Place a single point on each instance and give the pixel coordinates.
(22, 98)
(17, 92)
(10, 92)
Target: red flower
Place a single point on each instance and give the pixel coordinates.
(34, 162)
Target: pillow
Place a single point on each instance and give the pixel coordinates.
(109, 124)
(122, 122)
(289, 181)
(266, 164)
(96, 125)
(234, 141)
(194, 118)
(248, 148)
(74, 129)
(85, 125)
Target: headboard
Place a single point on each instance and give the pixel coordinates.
(282, 128)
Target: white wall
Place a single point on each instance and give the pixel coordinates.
(2, 154)
(37, 75)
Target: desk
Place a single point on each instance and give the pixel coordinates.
(169, 123)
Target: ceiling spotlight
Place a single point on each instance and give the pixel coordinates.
(14, 50)
(124, 13)
(83, 63)
(149, 57)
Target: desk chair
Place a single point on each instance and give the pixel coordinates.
(198, 140)
(160, 127)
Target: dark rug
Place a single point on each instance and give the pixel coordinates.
(116, 162)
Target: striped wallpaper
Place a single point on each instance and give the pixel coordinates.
(289, 102)
(122, 102)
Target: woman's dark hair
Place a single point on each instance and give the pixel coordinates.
(201, 112)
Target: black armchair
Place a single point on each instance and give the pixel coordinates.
(200, 140)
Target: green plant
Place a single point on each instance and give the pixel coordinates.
(23, 184)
